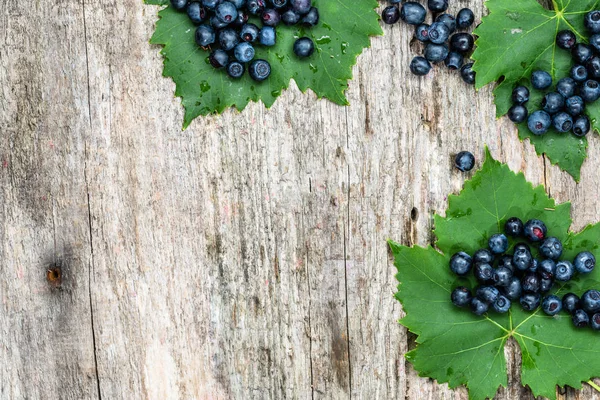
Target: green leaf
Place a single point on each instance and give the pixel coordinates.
(459, 348)
(343, 32)
(518, 37)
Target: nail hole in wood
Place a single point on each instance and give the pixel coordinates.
(414, 214)
(54, 276)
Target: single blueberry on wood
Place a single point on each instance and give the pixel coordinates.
(464, 161)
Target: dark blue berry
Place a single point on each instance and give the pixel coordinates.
(290, 17)
(535, 230)
(593, 67)
(278, 4)
(179, 5)
(513, 290)
(546, 282)
(467, 73)
(218, 58)
(547, 266)
(413, 13)
(422, 32)
(489, 294)
(566, 87)
(479, 307)
(462, 42)
(484, 273)
(226, 12)
(580, 319)
(564, 271)
(461, 263)
(506, 261)
(461, 296)
(302, 7)
(590, 91)
(578, 73)
(571, 303)
(205, 35)
(562, 122)
(502, 276)
(592, 21)
(448, 20)
(530, 283)
(304, 47)
(255, 7)
(522, 258)
(530, 301)
(541, 80)
(436, 52)
(249, 33)
(241, 19)
(465, 18)
(270, 17)
(464, 161)
(437, 6)
(520, 95)
(584, 262)
(438, 33)
(267, 36)
(498, 243)
(574, 105)
(513, 227)
(217, 24)
(454, 60)
(244, 52)
(259, 70)
(228, 39)
(235, 69)
(590, 301)
(502, 304)
(581, 126)
(420, 66)
(196, 13)
(595, 322)
(483, 256)
(566, 39)
(534, 265)
(551, 305)
(312, 17)
(539, 122)
(553, 102)
(211, 4)
(551, 247)
(595, 42)
(518, 113)
(581, 53)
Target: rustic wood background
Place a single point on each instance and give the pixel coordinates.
(243, 258)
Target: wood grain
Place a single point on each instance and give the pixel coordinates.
(243, 258)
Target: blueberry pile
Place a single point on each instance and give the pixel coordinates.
(442, 42)
(563, 107)
(224, 28)
(504, 278)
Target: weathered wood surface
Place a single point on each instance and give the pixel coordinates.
(244, 258)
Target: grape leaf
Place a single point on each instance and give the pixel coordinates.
(343, 32)
(459, 348)
(518, 37)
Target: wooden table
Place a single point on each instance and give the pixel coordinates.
(243, 258)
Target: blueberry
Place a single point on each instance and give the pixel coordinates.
(520, 95)
(235, 69)
(484, 273)
(590, 301)
(593, 67)
(530, 301)
(244, 52)
(595, 322)
(255, 7)
(196, 13)
(551, 305)
(513, 290)
(564, 271)
(437, 6)
(541, 80)
(502, 276)
(464, 161)
(301, 6)
(304, 47)
(270, 17)
(438, 33)
(595, 42)
(228, 39)
(249, 33)
(522, 258)
(419, 65)
(534, 265)
(535, 230)
(226, 12)
(506, 261)
(267, 36)
(448, 20)
(513, 227)
(461, 263)
(578, 73)
(277, 4)
(517, 113)
(571, 303)
(467, 73)
(211, 4)
(562, 122)
(462, 42)
(592, 21)
(218, 58)
(566, 39)
(546, 282)
(547, 266)
(584, 262)
(581, 126)
(259, 70)
(454, 60)
(590, 91)
(478, 307)
(461, 296)
(413, 13)
(179, 4)
(553, 102)
(217, 24)
(465, 18)
(498, 243)
(580, 319)
(574, 105)
(436, 52)
(502, 304)
(290, 17)
(566, 87)
(241, 19)
(422, 32)
(483, 256)
(552, 247)
(312, 17)
(530, 283)
(488, 294)
(581, 53)
(205, 35)
(539, 122)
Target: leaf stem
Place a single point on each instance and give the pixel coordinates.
(592, 384)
